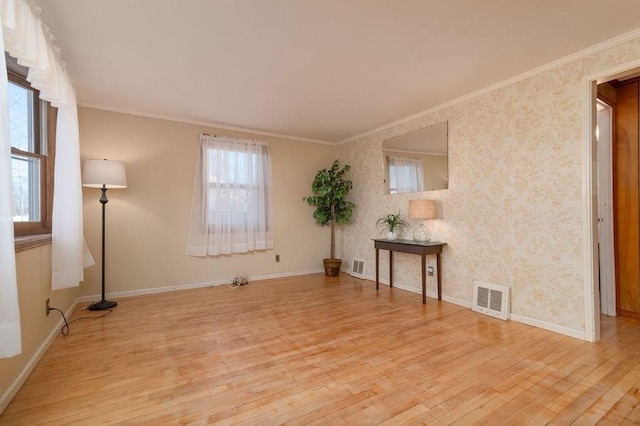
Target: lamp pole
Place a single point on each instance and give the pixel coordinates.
(103, 174)
(103, 304)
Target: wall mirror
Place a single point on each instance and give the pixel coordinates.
(417, 161)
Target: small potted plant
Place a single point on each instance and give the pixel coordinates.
(392, 224)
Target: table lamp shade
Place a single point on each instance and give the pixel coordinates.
(423, 209)
(104, 173)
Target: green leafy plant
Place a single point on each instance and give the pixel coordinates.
(330, 188)
(392, 223)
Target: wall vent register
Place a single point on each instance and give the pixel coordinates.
(358, 268)
(491, 299)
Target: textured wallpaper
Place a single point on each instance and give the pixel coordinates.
(513, 213)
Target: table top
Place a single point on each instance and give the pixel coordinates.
(410, 242)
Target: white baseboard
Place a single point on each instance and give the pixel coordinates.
(431, 294)
(13, 389)
(571, 332)
(187, 286)
(285, 275)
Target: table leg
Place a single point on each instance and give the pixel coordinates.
(390, 268)
(377, 268)
(439, 276)
(424, 279)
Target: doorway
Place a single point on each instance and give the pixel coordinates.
(618, 193)
(592, 292)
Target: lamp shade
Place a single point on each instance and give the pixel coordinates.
(104, 173)
(423, 209)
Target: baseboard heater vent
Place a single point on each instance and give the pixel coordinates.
(358, 268)
(491, 299)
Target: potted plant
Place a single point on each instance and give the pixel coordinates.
(392, 224)
(330, 188)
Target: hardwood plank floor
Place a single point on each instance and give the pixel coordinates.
(312, 350)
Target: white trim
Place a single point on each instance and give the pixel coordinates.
(459, 302)
(631, 35)
(567, 331)
(614, 72)
(430, 294)
(202, 123)
(590, 249)
(15, 386)
(191, 285)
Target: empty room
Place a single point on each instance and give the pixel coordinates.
(320, 212)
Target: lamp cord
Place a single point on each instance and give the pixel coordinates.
(65, 328)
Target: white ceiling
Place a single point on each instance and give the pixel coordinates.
(322, 70)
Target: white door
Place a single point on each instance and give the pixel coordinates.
(605, 210)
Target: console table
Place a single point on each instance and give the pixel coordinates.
(410, 246)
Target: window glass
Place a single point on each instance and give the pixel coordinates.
(20, 117)
(25, 173)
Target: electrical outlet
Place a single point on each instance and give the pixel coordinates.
(430, 270)
(48, 306)
(277, 258)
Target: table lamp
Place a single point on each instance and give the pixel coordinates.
(422, 210)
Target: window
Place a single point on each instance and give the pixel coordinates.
(232, 206)
(405, 175)
(233, 186)
(32, 136)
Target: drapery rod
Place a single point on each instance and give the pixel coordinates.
(237, 139)
(389, 157)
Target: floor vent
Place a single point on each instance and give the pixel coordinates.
(358, 268)
(491, 299)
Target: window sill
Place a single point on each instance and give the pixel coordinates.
(29, 242)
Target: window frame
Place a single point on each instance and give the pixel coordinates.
(44, 225)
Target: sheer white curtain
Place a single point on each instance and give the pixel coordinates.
(231, 209)
(26, 38)
(9, 312)
(405, 175)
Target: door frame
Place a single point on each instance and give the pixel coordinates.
(590, 196)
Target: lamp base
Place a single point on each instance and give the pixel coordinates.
(102, 305)
(421, 234)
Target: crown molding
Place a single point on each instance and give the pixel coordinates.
(597, 48)
(203, 123)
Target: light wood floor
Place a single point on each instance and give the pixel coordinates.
(325, 351)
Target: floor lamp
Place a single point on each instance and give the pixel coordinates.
(103, 174)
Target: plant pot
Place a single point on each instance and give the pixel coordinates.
(332, 267)
(391, 236)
